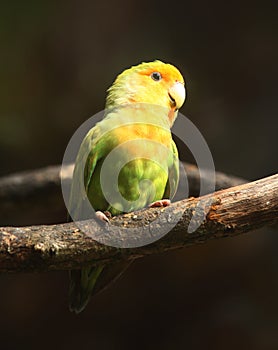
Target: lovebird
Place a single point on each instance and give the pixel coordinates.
(141, 107)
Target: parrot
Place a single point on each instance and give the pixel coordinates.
(141, 107)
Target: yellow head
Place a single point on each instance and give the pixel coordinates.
(152, 83)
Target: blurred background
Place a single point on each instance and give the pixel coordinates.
(57, 60)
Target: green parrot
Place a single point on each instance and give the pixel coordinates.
(132, 144)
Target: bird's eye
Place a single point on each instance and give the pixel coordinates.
(156, 76)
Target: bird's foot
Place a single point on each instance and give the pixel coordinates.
(103, 216)
(160, 203)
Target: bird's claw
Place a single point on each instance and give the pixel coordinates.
(103, 216)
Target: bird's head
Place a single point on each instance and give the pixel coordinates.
(155, 83)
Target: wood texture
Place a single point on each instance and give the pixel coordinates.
(60, 247)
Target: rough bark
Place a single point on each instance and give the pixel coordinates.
(64, 246)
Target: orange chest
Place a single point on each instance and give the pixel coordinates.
(150, 132)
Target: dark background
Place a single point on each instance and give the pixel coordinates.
(57, 60)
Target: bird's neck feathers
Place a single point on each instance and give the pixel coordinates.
(127, 93)
(120, 93)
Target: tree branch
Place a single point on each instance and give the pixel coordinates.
(58, 247)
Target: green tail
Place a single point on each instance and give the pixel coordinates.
(82, 283)
(92, 280)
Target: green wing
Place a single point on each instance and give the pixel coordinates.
(81, 171)
(82, 282)
(98, 142)
(173, 175)
(92, 150)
